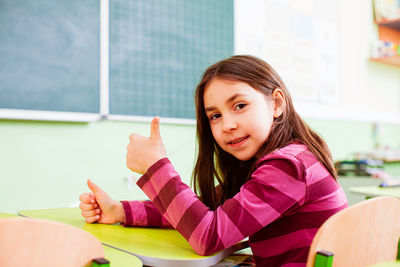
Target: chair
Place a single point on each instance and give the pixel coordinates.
(363, 234)
(33, 242)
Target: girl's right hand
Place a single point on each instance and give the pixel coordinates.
(98, 206)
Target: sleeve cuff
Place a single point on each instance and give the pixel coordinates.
(128, 213)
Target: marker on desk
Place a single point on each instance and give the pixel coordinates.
(100, 262)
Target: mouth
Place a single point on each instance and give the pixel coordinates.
(238, 140)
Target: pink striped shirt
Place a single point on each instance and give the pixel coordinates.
(279, 208)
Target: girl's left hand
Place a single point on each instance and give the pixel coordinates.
(144, 152)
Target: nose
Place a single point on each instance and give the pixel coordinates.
(228, 124)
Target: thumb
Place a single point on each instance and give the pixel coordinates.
(155, 129)
(94, 188)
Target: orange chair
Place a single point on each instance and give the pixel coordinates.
(33, 242)
(364, 234)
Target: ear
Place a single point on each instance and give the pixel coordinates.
(279, 102)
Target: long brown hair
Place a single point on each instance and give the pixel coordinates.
(214, 164)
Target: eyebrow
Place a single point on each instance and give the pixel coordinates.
(229, 100)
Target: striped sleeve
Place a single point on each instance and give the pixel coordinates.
(274, 189)
(143, 213)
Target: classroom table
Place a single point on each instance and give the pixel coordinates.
(376, 191)
(7, 215)
(120, 258)
(154, 246)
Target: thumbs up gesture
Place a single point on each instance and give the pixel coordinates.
(145, 151)
(98, 206)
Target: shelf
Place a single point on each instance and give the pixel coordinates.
(389, 31)
(394, 61)
(394, 24)
(388, 34)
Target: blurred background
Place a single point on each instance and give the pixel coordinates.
(78, 76)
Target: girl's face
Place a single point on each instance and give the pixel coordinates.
(240, 117)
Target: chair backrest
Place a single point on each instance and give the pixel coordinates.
(360, 235)
(33, 242)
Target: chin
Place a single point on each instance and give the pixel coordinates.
(243, 157)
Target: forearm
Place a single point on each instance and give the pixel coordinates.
(120, 213)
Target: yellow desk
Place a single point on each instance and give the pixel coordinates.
(120, 258)
(376, 191)
(154, 246)
(6, 215)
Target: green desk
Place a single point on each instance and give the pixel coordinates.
(7, 215)
(376, 191)
(154, 246)
(120, 258)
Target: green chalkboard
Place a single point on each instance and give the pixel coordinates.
(49, 55)
(159, 50)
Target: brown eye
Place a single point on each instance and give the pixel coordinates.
(240, 106)
(215, 116)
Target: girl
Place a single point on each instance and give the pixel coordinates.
(276, 183)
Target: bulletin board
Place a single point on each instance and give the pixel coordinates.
(299, 39)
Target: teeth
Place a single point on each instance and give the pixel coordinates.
(239, 140)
